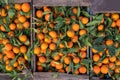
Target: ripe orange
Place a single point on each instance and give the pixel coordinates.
(40, 36)
(75, 27)
(77, 72)
(44, 46)
(61, 71)
(112, 59)
(104, 69)
(16, 50)
(67, 21)
(115, 16)
(84, 48)
(117, 70)
(23, 38)
(76, 60)
(84, 20)
(96, 69)
(67, 60)
(25, 7)
(15, 64)
(105, 61)
(61, 45)
(75, 39)
(2, 28)
(107, 14)
(3, 12)
(37, 50)
(12, 26)
(39, 68)
(10, 54)
(96, 57)
(9, 68)
(56, 57)
(53, 34)
(1, 56)
(23, 49)
(39, 14)
(70, 33)
(42, 59)
(21, 60)
(48, 40)
(82, 70)
(52, 63)
(22, 19)
(113, 24)
(82, 32)
(118, 22)
(112, 66)
(69, 44)
(75, 10)
(11, 33)
(100, 27)
(8, 47)
(117, 62)
(109, 42)
(52, 46)
(17, 6)
(83, 54)
(26, 24)
(59, 66)
(47, 17)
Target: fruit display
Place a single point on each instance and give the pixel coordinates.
(105, 35)
(15, 50)
(61, 39)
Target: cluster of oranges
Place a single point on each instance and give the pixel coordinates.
(14, 35)
(57, 44)
(107, 61)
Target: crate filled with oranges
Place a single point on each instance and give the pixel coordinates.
(61, 39)
(105, 35)
(15, 37)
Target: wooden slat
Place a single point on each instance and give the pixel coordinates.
(61, 76)
(20, 1)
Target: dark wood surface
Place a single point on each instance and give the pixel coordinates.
(61, 76)
(60, 3)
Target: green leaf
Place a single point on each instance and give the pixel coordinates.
(55, 75)
(81, 25)
(86, 62)
(78, 14)
(85, 13)
(99, 48)
(11, 13)
(99, 17)
(111, 50)
(93, 23)
(98, 40)
(117, 37)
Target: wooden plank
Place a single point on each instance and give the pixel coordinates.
(61, 76)
(60, 3)
(104, 6)
(19, 1)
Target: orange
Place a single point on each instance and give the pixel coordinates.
(117, 62)
(67, 60)
(8, 68)
(52, 63)
(15, 64)
(52, 46)
(7, 6)
(117, 70)
(46, 9)
(25, 7)
(96, 69)
(2, 28)
(67, 21)
(40, 36)
(105, 61)
(8, 47)
(1, 56)
(83, 54)
(44, 46)
(111, 66)
(22, 19)
(76, 60)
(56, 57)
(76, 72)
(11, 33)
(118, 22)
(61, 71)
(73, 17)
(75, 10)
(23, 38)
(107, 14)
(55, 40)
(7, 62)
(26, 24)
(59, 66)
(3, 13)
(84, 48)
(19, 67)
(104, 69)
(109, 42)
(84, 20)
(75, 39)
(42, 59)
(10, 54)
(61, 45)
(23, 49)
(82, 70)
(115, 16)
(67, 68)
(75, 27)
(99, 64)
(48, 40)
(100, 53)
(37, 50)
(5, 58)
(45, 30)
(39, 14)
(96, 57)
(69, 44)
(82, 32)
(12, 26)
(21, 60)
(16, 50)
(39, 68)
(70, 33)
(17, 6)
(113, 24)
(112, 59)
(53, 34)
(47, 17)
(100, 27)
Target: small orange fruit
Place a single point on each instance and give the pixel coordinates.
(15, 64)
(112, 66)
(39, 14)
(25, 7)
(22, 19)
(26, 24)
(23, 49)
(84, 20)
(76, 60)
(112, 59)
(75, 10)
(44, 46)
(42, 59)
(118, 22)
(69, 44)
(23, 38)
(9, 68)
(8, 47)
(47, 17)
(82, 32)
(67, 60)
(10, 54)
(96, 57)
(113, 24)
(117, 62)
(40, 36)
(70, 33)
(105, 61)
(12, 26)
(75, 39)
(109, 42)
(16, 50)
(59, 66)
(104, 69)
(96, 69)
(37, 50)
(115, 16)
(83, 48)
(82, 70)
(2, 28)
(100, 27)
(52, 46)
(17, 6)
(56, 57)
(75, 27)
(61, 45)
(53, 34)
(83, 54)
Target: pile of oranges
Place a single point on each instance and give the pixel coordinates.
(59, 40)
(106, 58)
(14, 36)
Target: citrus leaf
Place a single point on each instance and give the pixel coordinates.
(93, 23)
(78, 14)
(111, 50)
